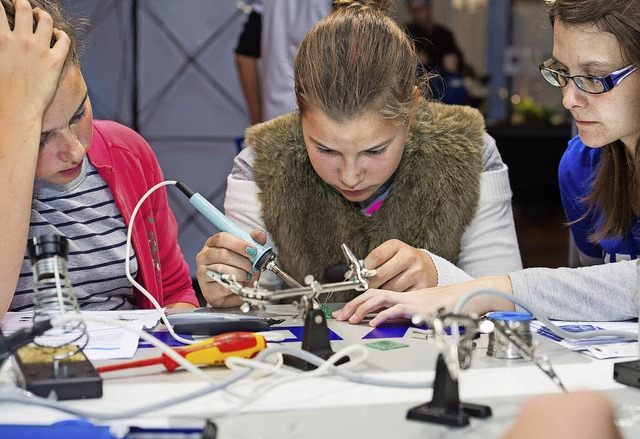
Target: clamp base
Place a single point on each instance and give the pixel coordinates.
(315, 339)
(445, 407)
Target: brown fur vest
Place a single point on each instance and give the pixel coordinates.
(432, 200)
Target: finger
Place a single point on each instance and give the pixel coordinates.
(380, 301)
(62, 45)
(23, 20)
(223, 257)
(240, 274)
(4, 21)
(382, 253)
(259, 236)
(397, 311)
(348, 310)
(403, 281)
(44, 25)
(387, 272)
(232, 243)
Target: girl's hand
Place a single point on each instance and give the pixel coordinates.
(228, 254)
(29, 67)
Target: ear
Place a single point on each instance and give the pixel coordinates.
(416, 100)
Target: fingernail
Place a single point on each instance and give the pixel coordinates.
(249, 276)
(255, 270)
(251, 251)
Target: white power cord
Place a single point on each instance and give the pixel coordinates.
(127, 269)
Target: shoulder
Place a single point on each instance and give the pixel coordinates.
(491, 158)
(118, 146)
(445, 121)
(119, 139)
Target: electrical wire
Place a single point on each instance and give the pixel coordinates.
(127, 270)
(15, 395)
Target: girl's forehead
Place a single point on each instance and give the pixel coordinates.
(586, 46)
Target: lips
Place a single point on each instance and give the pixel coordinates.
(352, 193)
(73, 170)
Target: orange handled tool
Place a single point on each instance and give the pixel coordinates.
(211, 351)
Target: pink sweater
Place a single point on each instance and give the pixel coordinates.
(128, 165)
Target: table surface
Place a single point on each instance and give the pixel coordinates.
(330, 406)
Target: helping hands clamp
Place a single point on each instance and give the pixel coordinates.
(455, 355)
(316, 333)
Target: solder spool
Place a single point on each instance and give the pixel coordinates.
(53, 293)
(517, 322)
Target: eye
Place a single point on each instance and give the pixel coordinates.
(44, 139)
(322, 150)
(377, 151)
(77, 117)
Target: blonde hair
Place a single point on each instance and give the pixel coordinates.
(357, 60)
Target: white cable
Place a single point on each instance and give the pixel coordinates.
(356, 353)
(142, 334)
(127, 270)
(17, 396)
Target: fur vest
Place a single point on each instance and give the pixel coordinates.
(431, 202)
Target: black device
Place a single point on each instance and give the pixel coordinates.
(627, 372)
(71, 378)
(215, 327)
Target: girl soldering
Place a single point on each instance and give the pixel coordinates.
(414, 187)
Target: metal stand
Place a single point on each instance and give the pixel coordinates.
(445, 407)
(315, 339)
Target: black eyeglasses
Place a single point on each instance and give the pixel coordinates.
(589, 84)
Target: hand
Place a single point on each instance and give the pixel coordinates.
(566, 415)
(400, 267)
(228, 254)
(425, 302)
(29, 68)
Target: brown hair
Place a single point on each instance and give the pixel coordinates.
(615, 184)
(61, 20)
(354, 61)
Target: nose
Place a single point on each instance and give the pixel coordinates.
(70, 149)
(572, 96)
(350, 173)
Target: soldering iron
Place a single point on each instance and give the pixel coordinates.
(265, 256)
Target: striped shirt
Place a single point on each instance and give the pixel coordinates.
(84, 211)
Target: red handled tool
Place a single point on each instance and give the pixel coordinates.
(212, 351)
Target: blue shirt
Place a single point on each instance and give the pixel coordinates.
(576, 173)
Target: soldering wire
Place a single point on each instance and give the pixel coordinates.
(457, 309)
(127, 269)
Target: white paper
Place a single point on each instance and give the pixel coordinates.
(105, 341)
(598, 347)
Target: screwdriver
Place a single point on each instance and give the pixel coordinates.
(212, 351)
(265, 256)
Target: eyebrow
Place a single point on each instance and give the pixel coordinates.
(590, 64)
(86, 95)
(379, 145)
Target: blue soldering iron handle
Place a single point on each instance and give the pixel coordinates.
(217, 218)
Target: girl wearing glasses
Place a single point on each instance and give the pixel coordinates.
(596, 49)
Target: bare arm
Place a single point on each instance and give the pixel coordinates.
(250, 81)
(29, 74)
